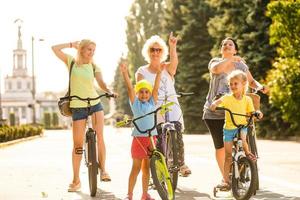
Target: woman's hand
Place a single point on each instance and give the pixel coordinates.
(172, 40)
(74, 44)
(238, 59)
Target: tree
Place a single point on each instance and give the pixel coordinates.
(143, 21)
(189, 19)
(284, 77)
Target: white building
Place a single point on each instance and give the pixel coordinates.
(18, 93)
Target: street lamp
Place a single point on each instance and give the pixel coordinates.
(33, 80)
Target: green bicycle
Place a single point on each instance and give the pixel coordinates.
(159, 170)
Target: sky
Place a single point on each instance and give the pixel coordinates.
(61, 21)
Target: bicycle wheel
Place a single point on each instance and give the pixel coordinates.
(251, 138)
(92, 161)
(243, 183)
(161, 177)
(172, 157)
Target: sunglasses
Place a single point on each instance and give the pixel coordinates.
(158, 50)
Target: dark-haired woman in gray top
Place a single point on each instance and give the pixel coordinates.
(219, 68)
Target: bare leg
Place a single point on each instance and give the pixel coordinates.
(220, 157)
(145, 175)
(135, 170)
(98, 125)
(228, 160)
(78, 134)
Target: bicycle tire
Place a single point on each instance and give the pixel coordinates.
(251, 138)
(92, 161)
(245, 166)
(172, 157)
(160, 176)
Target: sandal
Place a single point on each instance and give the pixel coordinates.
(224, 187)
(74, 187)
(104, 176)
(185, 171)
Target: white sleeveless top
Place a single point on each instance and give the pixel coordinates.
(166, 87)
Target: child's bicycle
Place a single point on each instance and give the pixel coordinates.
(169, 142)
(90, 147)
(159, 170)
(243, 171)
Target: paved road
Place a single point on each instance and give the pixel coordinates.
(41, 169)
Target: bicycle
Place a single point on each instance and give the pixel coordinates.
(159, 170)
(243, 170)
(90, 147)
(169, 141)
(251, 135)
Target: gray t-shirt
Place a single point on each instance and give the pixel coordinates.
(218, 85)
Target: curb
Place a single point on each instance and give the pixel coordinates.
(12, 142)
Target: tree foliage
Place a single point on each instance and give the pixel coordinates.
(189, 19)
(284, 77)
(245, 21)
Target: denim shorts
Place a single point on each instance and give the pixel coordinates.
(229, 134)
(83, 113)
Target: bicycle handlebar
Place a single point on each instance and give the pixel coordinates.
(179, 94)
(127, 121)
(107, 95)
(253, 114)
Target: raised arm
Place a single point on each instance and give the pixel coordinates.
(172, 66)
(156, 86)
(130, 90)
(218, 67)
(57, 49)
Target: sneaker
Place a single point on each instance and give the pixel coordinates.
(147, 197)
(74, 187)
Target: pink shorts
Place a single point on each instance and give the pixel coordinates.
(140, 147)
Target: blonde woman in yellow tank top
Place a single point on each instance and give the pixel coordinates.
(83, 73)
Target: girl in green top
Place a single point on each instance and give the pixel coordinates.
(82, 84)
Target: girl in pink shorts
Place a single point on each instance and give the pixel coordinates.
(143, 98)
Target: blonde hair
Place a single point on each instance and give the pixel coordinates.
(240, 75)
(83, 44)
(155, 39)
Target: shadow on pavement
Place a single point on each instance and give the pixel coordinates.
(100, 195)
(270, 195)
(190, 195)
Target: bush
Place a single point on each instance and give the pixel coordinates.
(8, 133)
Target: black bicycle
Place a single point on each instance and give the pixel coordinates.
(90, 147)
(169, 140)
(251, 136)
(243, 171)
